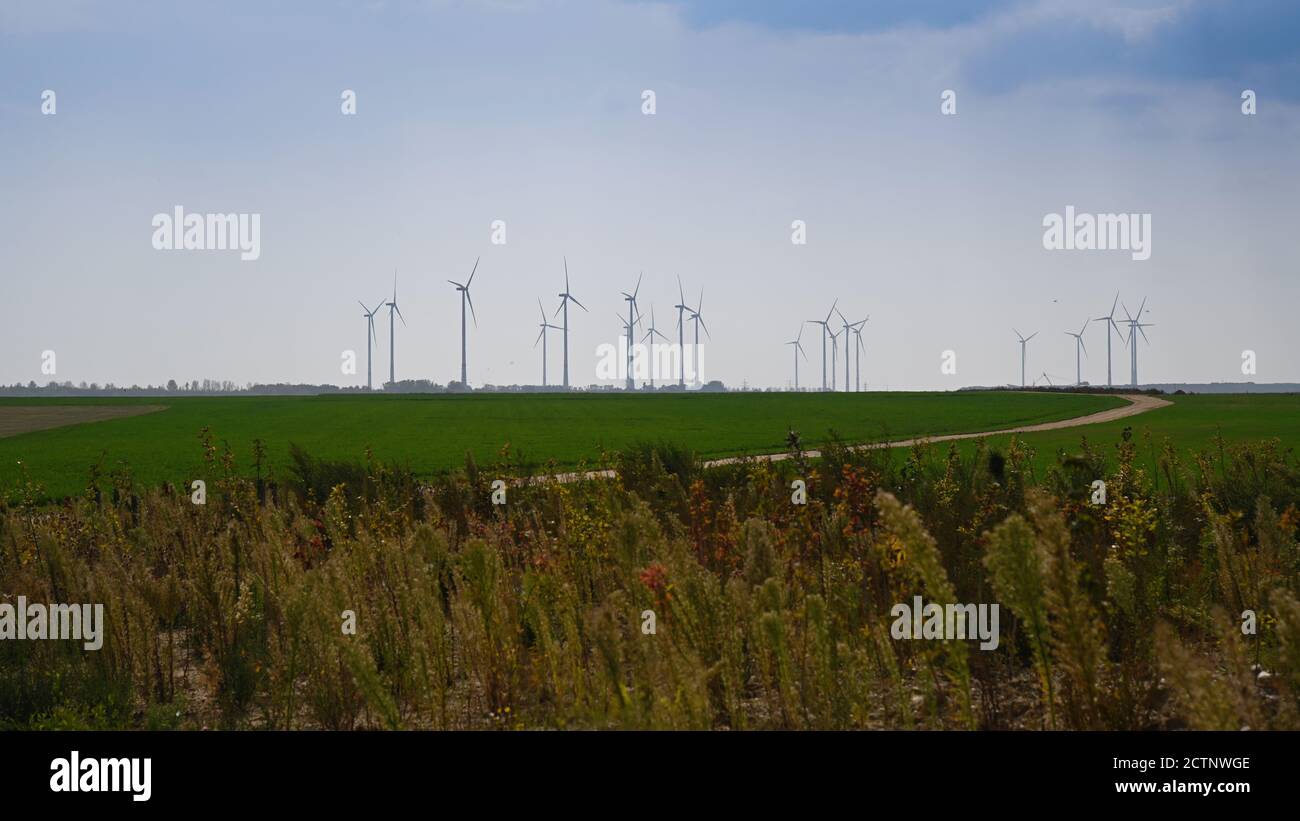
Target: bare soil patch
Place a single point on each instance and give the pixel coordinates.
(16, 419)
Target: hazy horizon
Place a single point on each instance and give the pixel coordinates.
(530, 112)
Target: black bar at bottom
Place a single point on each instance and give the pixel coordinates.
(237, 770)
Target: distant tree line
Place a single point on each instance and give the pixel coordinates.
(213, 387)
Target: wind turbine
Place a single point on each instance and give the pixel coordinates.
(846, 331)
(1079, 346)
(541, 337)
(826, 329)
(627, 330)
(649, 339)
(392, 307)
(798, 349)
(1023, 341)
(370, 328)
(1138, 325)
(1109, 319)
(849, 327)
(681, 307)
(632, 319)
(565, 299)
(464, 298)
(699, 320)
(861, 349)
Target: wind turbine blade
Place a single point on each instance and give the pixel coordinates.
(1031, 336)
(363, 306)
(1144, 334)
(579, 304)
(558, 308)
(1140, 307)
(680, 293)
(834, 305)
(541, 309)
(637, 289)
(457, 284)
(471, 273)
(539, 336)
(705, 327)
(399, 314)
(470, 300)
(1083, 345)
(566, 275)
(1113, 304)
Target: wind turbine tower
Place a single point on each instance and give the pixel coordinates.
(465, 298)
(1109, 319)
(1024, 340)
(1079, 346)
(826, 329)
(1135, 324)
(861, 348)
(392, 308)
(370, 337)
(798, 349)
(698, 317)
(681, 307)
(632, 319)
(565, 299)
(541, 337)
(835, 351)
(847, 331)
(649, 340)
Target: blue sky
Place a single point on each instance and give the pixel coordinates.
(842, 16)
(529, 111)
(1251, 41)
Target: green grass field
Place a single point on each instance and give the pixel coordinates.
(1192, 423)
(431, 434)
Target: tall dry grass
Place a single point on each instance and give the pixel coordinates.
(767, 614)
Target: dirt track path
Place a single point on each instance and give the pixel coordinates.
(1138, 403)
